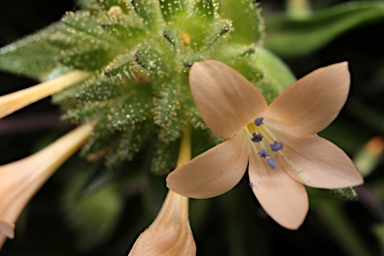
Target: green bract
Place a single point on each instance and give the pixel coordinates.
(139, 53)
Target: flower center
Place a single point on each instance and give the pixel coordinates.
(270, 149)
(264, 142)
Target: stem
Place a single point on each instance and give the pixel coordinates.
(185, 147)
(18, 100)
(183, 158)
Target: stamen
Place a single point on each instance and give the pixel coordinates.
(256, 137)
(272, 163)
(263, 153)
(276, 146)
(259, 121)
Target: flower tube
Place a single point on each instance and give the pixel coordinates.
(21, 179)
(14, 101)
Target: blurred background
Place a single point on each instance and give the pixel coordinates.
(105, 216)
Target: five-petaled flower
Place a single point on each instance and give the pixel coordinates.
(276, 142)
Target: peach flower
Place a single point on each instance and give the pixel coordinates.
(21, 179)
(276, 142)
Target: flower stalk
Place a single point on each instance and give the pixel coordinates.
(15, 101)
(170, 233)
(21, 179)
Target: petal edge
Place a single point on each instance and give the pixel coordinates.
(212, 173)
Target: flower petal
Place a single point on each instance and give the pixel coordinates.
(214, 172)
(313, 102)
(318, 163)
(7, 229)
(283, 198)
(226, 100)
(3, 239)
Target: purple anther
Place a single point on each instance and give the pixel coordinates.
(263, 153)
(256, 137)
(276, 146)
(272, 163)
(259, 121)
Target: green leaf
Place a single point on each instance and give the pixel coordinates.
(92, 58)
(346, 193)
(167, 102)
(174, 129)
(132, 140)
(247, 20)
(97, 90)
(121, 70)
(205, 8)
(149, 11)
(103, 5)
(128, 110)
(100, 144)
(171, 8)
(33, 56)
(192, 112)
(292, 37)
(124, 29)
(218, 31)
(172, 38)
(151, 60)
(165, 156)
(86, 24)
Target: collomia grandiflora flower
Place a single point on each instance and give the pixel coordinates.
(276, 142)
(137, 56)
(20, 180)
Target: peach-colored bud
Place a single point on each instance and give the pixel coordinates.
(21, 179)
(170, 233)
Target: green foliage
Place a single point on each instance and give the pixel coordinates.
(165, 156)
(290, 36)
(33, 56)
(93, 217)
(346, 193)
